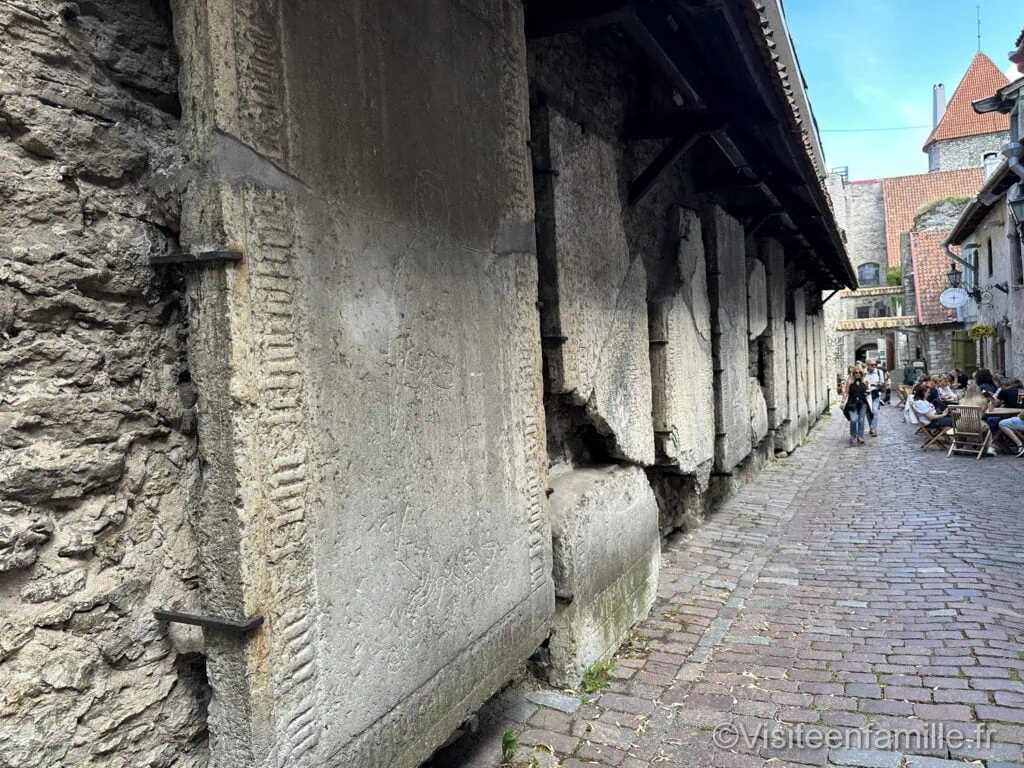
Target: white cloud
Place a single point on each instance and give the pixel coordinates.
(1012, 73)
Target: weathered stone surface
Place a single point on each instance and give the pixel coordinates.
(593, 290)
(554, 700)
(370, 373)
(726, 259)
(775, 389)
(681, 374)
(98, 463)
(757, 298)
(606, 556)
(758, 412)
(787, 436)
(801, 364)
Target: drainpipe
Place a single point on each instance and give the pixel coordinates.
(954, 257)
(1013, 153)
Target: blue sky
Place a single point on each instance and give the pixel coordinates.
(872, 64)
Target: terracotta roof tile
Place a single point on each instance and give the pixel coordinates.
(981, 80)
(873, 323)
(930, 267)
(904, 195)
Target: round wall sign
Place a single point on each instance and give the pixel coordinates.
(952, 298)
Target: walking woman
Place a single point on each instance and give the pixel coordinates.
(855, 406)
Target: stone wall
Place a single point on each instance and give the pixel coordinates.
(446, 408)
(369, 375)
(964, 152)
(993, 235)
(860, 206)
(98, 463)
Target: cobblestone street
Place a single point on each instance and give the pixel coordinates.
(874, 589)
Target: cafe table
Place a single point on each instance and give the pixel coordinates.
(1005, 413)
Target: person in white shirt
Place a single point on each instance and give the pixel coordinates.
(875, 379)
(920, 411)
(945, 391)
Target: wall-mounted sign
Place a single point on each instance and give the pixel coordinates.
(952, 298)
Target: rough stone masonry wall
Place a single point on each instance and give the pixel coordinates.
(860, 210)
(98, 465)
(965, 152)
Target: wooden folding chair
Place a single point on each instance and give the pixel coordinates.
(937, 437)
(970, 432)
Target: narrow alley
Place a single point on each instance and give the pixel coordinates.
(868, 598)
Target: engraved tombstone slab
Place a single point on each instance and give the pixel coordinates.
(595, 298)
(726, 261)
(369, 375)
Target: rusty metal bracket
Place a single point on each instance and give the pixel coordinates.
(209, 622)
(203, 257)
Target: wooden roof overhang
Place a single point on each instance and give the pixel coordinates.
(718, 55)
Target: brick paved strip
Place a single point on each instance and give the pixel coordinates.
(865, 758)
(813, 601)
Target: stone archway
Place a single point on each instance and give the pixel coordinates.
(866, 350)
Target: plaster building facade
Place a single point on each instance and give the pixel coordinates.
(988, 237)
(387, 342)
(895, 228)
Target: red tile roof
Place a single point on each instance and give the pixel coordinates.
(981, 80)
(904, 195)
(930, 267)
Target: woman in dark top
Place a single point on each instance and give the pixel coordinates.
(855, 407)
(934, 397)
(1009, 393)
(983, 378)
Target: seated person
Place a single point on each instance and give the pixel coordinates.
(921, 410)
(1009, 429)
(945, 391)
(983, 378)
(934, 397)
(1008, 394)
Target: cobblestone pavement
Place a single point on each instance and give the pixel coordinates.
(870, 596)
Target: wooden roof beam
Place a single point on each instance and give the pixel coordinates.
(556, 18)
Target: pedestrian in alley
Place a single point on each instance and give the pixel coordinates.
(874, 379)
(855, 406)
(910, 374)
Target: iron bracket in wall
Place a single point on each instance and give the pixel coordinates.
(825, 300)
(203, 257)
(210, 622)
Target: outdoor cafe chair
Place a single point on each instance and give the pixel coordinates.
(970, 432)
(937, 437)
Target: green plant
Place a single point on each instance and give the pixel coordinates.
(933, 204)
(980, 331)
(596, 676)
(509, 744)
(894, 276)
